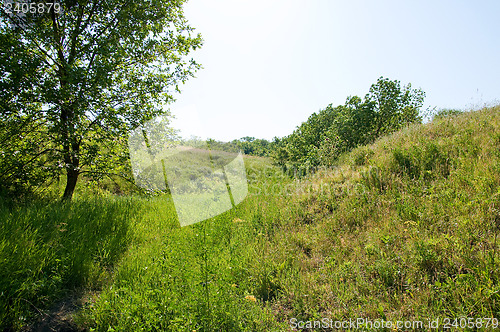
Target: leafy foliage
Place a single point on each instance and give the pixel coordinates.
(447, 112)
(247, 145)
(252, 146)
(324, 136)
(91, 72)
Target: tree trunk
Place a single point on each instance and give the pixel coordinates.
(71, 179)
(71, 154)
(71, 147)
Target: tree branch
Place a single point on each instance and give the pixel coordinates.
(74, 35)
(109, 174)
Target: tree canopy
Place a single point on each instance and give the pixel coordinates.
(325, 135)
(84, 75)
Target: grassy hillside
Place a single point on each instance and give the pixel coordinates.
(404, 229)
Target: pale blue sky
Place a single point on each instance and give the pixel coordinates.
(269, 64)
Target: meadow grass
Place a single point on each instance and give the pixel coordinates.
(403, 229)
(48, 249)
(202, 277)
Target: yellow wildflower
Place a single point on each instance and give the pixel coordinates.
(251, 298)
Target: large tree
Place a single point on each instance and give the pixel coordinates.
(89, 71)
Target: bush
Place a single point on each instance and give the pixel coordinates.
(426, 161)
(447, 112)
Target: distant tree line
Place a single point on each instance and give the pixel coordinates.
(247, 145)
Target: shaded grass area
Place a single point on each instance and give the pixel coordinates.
(49, 249)
(404, 229)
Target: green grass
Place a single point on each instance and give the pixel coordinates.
(199, 277)
(413, 232)
(48, 249)
(403, 229)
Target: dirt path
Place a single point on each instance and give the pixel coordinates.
(61, 316)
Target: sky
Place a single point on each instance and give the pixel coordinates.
(269, 64)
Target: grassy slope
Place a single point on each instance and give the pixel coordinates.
(403, 229)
